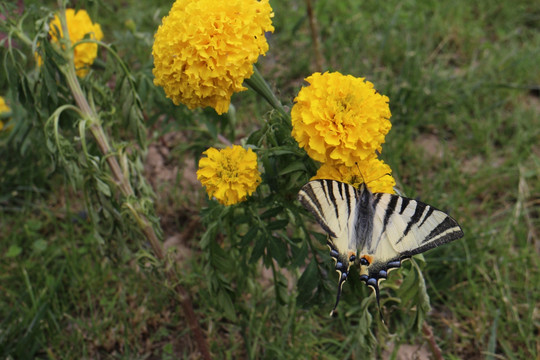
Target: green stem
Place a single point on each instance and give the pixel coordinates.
(122, 180)
(95, 127)
(21, 36)
(261, 87)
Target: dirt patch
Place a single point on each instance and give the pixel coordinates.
(408, 352)
(164, 171)
(431, 145)
(178, 194)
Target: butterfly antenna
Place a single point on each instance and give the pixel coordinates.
(360, 172)
(364, 179)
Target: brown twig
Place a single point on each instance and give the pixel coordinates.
(435, 349)
(319, 62)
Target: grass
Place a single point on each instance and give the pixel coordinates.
(466, 122)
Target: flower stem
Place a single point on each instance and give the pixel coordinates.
(260, 86)
(142, 220)
(122, 181)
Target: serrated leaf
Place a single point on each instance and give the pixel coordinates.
(224, 300)
(209, 234)
(52, 54)
(295, 166)
(307, 283)
(278, 224)
(272, 212)
(220, 258)
(50, 83)
(321, 238)
(282, 150)
(249, 236)
(278, 250)
(258, 249)
(242, 219)
(299, 255)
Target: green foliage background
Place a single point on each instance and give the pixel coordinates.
(463, 81)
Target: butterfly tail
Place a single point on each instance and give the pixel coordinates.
(376, 289)
(342, 280)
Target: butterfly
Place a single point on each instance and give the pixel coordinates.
(376, 230)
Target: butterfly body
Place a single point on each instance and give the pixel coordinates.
(376, 230)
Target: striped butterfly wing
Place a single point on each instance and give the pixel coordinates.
(382, 229)
(333, 204)
(402, 227)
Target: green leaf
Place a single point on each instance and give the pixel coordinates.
(278, 224)
(13, 251)
(258, 249)
(257, 136)
(299, 255)
(32, 226)
(103, 187)
(295, 166)
(409, 288)
(284, 150)
(272, 212)
(209, 235)
(307, 283)
(249, 236)
(50, 83)
(39, 245)
(321, 238)
(278, 250)
(226, 303)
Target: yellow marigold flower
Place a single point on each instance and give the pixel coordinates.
(374, 172)
(4, 108)
(204, 49)
(79, 25)
(229, 175)
(340, 118)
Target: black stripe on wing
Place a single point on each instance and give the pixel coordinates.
(418, 211)
(390, 209)
(426, 222)
(433, 227)
(404, 203)
(308, 198)
(445, 232)
(331, 202)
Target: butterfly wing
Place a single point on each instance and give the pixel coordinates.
(333, 204)
(384, 229)
(402, 227)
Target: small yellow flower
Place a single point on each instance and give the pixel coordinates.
(229, 175)
(204, 49)
(79, 25)
(374, 172)
(4, 108)
(340, 118)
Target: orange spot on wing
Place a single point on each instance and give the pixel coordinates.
(368, 258)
